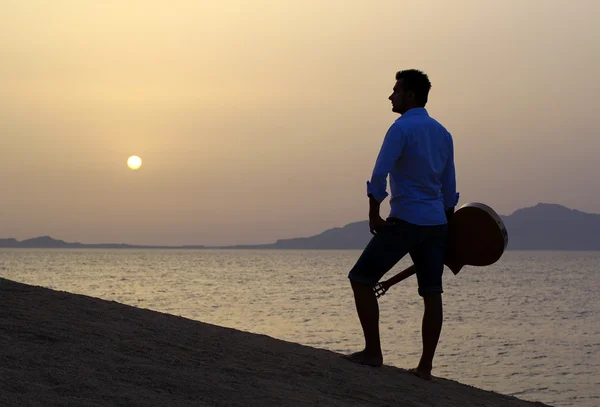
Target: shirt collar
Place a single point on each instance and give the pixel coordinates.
(415, 111)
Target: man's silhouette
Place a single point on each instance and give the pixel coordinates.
(418, 155)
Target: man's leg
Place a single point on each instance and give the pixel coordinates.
(368, 313)
(381, 254)
(432, 327)
(429, 262)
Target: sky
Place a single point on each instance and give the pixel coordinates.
(259, 120)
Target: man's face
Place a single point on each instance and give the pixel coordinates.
(400, 99)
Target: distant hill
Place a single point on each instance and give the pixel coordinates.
(552, 227)
(540, 227)
(352, 236)
(47, 242)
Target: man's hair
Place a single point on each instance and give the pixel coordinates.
(415, 81)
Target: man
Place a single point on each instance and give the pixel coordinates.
(418, 154)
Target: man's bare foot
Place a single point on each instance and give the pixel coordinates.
(425, 375)
(365, 358)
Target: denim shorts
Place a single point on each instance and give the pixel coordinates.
(425, 244)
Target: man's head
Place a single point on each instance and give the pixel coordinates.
(411, 90)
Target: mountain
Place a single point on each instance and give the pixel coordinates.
(552, 227)
(352, 236)
(47, 242)
(540, 227)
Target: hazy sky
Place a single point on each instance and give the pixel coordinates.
(258, 120)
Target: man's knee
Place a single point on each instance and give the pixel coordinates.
(430, 289)
(360, 286)
(432, 298)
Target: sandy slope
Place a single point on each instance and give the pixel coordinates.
(62, 349)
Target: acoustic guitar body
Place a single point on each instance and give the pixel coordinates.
(477, 237)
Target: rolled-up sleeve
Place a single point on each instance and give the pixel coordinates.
(391, 149)
(449, 180)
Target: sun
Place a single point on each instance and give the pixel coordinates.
(134, 162)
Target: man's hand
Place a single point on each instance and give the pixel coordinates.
(376, 224)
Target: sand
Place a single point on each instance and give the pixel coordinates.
(61, 349)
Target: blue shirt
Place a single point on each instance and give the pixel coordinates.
(418, 155)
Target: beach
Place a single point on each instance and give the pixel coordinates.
(58, 348)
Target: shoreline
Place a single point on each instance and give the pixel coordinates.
(58, 348)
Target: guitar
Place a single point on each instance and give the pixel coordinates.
(476, 237)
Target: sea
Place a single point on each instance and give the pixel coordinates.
(527, 326)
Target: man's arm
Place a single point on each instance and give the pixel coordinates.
(449, 184)
(374, 206)
(376, 187)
